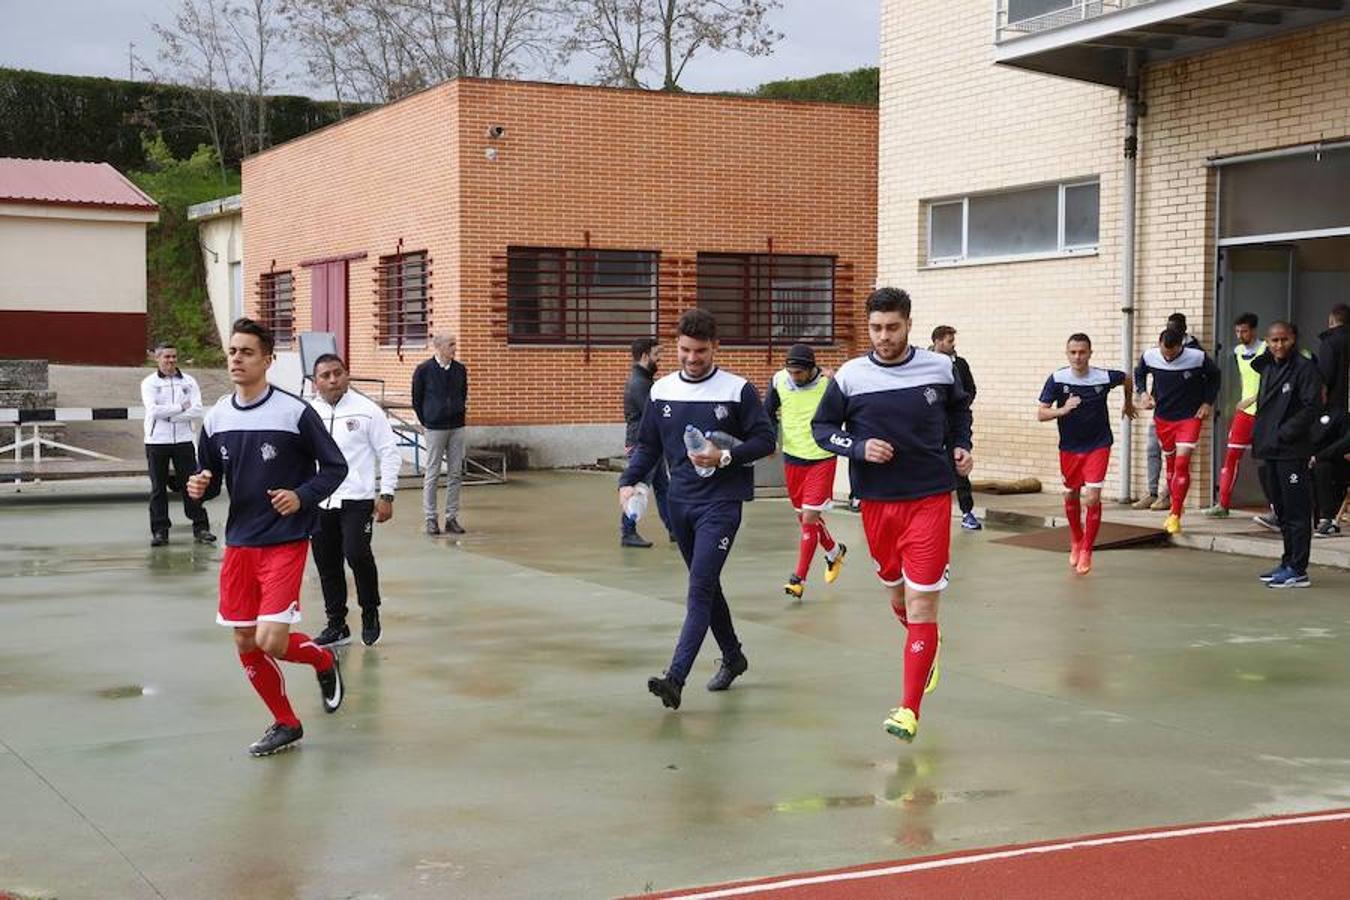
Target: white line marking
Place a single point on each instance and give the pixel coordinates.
(1007, 854)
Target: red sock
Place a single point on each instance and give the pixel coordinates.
(921, 644)
(265, 676)
(302, 649)
(1094, 524)
(1228, 475)
(1180, 483)
(1073, 508)
(807, 551)
(826, 541)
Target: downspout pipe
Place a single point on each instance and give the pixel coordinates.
(1133, 110)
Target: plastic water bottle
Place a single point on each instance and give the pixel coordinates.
(695, 442)
(637, 504)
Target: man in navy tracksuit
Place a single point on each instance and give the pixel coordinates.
(705, 509)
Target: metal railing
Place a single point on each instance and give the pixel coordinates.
(1018, 18)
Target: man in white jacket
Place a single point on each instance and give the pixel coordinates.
(346, 518)
(172, 401)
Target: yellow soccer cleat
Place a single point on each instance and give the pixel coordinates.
(1172, 525)
(794, 587)
(835, 566)
(902, 723)
(934, 673)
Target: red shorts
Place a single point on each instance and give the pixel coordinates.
(910, 540)
(262, 584)
(1240, 431)
(1084, 469)
(1175, 433)
(811, 487)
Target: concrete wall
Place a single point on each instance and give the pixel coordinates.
(222, 241)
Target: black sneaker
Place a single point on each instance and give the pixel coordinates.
(203, 536)
(330, 685)
(633, 539)
(334, 634)
(159, 539)
(1327, 528)
(452, 526)
(728, 672)
(667, 688)
(278, 737)
(370, 628)
(432, 527)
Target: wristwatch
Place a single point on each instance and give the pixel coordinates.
(725, 460)
(387, 498)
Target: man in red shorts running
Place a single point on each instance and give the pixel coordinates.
(791, 401)
(902, 417)
(1075, 398)
(1185, 386)
(278, 461)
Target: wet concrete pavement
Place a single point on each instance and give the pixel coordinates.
(500, 741)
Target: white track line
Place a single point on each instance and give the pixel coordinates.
(1007, 854)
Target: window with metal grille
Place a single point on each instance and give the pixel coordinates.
(403, 299)
(768, 298)
(580, 296)
(276, 305)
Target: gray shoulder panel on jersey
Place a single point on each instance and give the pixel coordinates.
(1189, 358)
(861, 375)
(279, 412)
(1094, 377)
(722, 387)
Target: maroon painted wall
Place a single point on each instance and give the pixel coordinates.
(113, 339)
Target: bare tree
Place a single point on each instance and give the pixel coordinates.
(636, 42)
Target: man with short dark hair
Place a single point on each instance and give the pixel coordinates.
(347, 517)
(1333, 357)
(902, 417)
(637, 392)
(440, 398)
(1185, 386)
(172, 402)
(1247, 347)
(944, 342)
(689, 412)
(1288, 400)
(278, 462)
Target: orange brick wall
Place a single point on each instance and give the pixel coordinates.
(674, 173)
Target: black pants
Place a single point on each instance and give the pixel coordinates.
(344, 534)
(184, 460)
(1265, 475)
(1292, 482)
(1329, 478)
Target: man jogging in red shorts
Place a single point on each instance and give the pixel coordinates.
(278, 461)
(1075, 398)
(791, 402)
(902, 417)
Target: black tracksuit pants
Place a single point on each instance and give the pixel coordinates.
(183, 457)
(1329, 477)
(344, 534)
(1291, 481)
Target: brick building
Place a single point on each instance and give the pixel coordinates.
(1003, 197)
(549, 225)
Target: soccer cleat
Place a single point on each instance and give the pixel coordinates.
(1268, 521)
(1327, 528)
(432, 527)
(203, 536)
(1274, 573)
(1172, 525)
(1084, 562)
(667, 688)
(834, 566)
(1216, 512)
(1144, 502)
(902, 723)
(936, 672)
(159, 539)
(330, 685)
(1075, 551)
(633, 539)
(370, 628)
(794, 587)
(275, 739)
(334, 634)
(1163, 502)
(727, 672)
(970, 523)
(1290, 579)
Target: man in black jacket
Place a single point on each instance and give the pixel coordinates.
(440, 395)
(1288, 402)
(1331, 439)
(1333, 358)
(944, 341)
(636, 395)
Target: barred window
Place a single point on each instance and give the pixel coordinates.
(763, 298)
(403, 299)
(276, 305)
(580, 296)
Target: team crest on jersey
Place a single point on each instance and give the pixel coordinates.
(268, 452)
(930, 395)
(721, 412)
(353, 425)
(665, 411)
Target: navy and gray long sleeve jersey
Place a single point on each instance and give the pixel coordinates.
(916, 405)
(276, 442)
(1180, 386)
(720, 401)
(1088, 427)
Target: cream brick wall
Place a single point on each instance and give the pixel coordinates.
(954, 122)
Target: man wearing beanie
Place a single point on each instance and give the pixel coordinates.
(791, 401)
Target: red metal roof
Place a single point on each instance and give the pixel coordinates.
(69, 184)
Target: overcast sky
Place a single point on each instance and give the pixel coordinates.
(92, 37)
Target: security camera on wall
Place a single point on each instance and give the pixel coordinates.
(496, 131)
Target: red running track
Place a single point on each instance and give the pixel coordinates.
(1287, 857)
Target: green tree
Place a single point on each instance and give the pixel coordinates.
(177, 304)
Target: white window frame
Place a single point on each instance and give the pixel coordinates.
(1063, 249)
